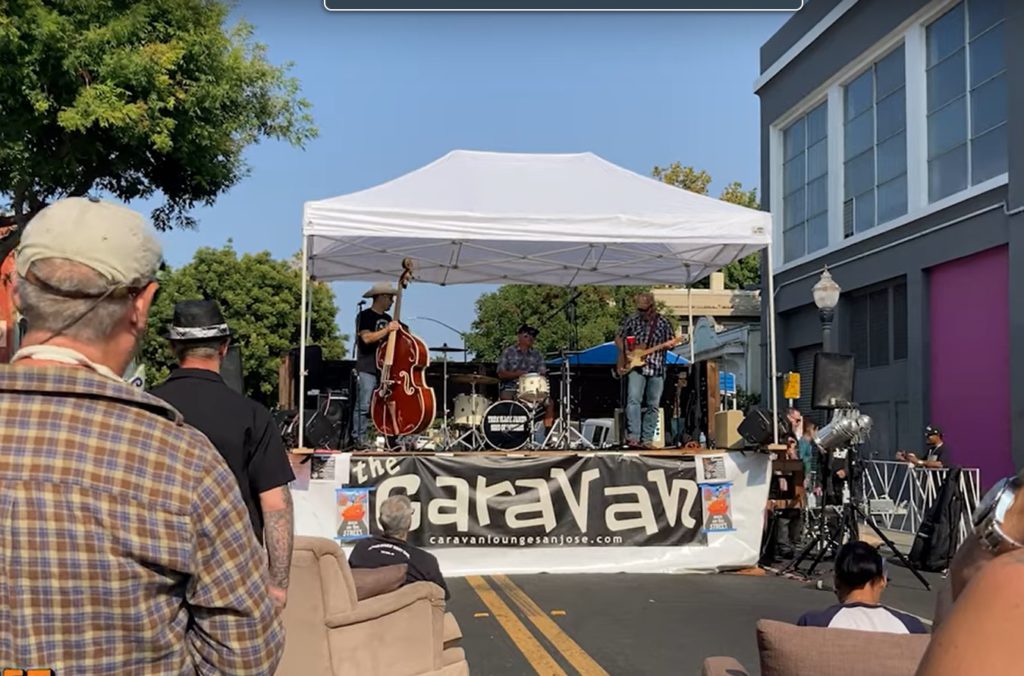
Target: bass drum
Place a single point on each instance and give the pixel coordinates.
(507, 426)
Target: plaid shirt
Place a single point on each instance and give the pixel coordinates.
(124, 544)
(638, 326)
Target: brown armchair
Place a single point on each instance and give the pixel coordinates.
(329, 631)
(788, 650)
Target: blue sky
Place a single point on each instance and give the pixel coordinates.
(391, 92)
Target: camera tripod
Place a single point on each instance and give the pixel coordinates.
(846, 529)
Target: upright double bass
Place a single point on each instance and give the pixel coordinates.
(402, 404)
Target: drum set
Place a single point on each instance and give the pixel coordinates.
(509, 424)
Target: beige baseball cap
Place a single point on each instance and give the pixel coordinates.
(111, 239)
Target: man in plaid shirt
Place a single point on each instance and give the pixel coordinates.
(124, 544)
(644, 328)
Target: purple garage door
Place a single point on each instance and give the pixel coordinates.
(970, 356)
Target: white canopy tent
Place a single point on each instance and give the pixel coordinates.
(499, 218)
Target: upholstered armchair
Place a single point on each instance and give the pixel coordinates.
(330, 631)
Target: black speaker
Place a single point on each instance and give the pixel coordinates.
(832, 384)
(320, 432)
(231, 370)
(314, 368)
(757, 429)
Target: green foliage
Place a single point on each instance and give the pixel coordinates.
(135, 98)
(599, 311)
(261, 300)
(745, 272)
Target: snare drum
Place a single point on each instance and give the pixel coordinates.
(533, 388)
(469, 409)
(507, 426)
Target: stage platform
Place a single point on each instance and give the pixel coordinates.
(480, 513)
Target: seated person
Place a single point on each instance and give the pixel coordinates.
(933, 456)
(391, 548)
(860, 579)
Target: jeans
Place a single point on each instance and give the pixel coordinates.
(643, 391)
(361, 411)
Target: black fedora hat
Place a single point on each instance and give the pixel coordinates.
(197, 320)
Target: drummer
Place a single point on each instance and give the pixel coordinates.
(519, 360)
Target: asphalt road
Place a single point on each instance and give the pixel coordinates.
(635, 624)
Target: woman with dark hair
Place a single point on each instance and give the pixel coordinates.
(860, 579)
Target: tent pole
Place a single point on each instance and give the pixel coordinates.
(774, 380)
(689, 321)
(302, 341)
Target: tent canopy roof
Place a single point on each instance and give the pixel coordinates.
(497, 218)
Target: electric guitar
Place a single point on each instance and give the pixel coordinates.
(635, 358)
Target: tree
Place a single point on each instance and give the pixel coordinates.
(261, 301)
(599, 311)
(134, 98)
(745, 272)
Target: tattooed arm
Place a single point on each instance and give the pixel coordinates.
(279, 535)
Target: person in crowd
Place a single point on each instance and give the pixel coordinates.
(808, 455)
(392, 546)
(241, 429)
(126, 546)
(978, 633)
(644, 328)
(860, 580)
(373, 325)
(791, 521)
(796, 422)
(933, 456)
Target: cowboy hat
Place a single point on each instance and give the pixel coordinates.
(381, 289)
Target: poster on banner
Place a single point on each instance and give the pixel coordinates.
(353, 514)
(717, 501)
(599, 501)
(711, 469)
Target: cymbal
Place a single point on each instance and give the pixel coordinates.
(473, 379)
(445, 348)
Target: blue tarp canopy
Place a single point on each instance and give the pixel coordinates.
(607, 353)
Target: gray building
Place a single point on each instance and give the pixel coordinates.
(889, 155)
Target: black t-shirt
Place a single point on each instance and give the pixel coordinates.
(366, 355)
(242, 430)
(936, 453)
(379, 551)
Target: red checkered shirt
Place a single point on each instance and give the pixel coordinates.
(124, 544)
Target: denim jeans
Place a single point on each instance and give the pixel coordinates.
(361, 412)
(643, 391)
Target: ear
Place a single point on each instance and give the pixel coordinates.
(223, 351)
(141, 304)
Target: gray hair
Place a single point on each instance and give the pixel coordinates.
(90, 321)
(197, 349)
(396, 516)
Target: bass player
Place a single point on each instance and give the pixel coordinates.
(645, 382)
(373, 325)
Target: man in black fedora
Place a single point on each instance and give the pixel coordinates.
(240, 428)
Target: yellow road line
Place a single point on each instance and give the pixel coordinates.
(576, 655)
(532, 650)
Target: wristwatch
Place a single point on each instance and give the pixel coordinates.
(991, 514)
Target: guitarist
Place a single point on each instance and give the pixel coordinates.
(645, 383)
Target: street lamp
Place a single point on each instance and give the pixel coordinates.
(826, 297)
(451, 328)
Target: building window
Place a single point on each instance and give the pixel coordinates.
(875, 145)
(877, 326)
(967, 97)
(805, 185)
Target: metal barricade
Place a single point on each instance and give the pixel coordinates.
(899, 495)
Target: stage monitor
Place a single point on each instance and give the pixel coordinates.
(832, 385)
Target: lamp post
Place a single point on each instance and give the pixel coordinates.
(826, 297)
(450, 328)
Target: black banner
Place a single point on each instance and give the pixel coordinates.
(605, 500)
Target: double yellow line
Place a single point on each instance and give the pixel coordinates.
(535, 653)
